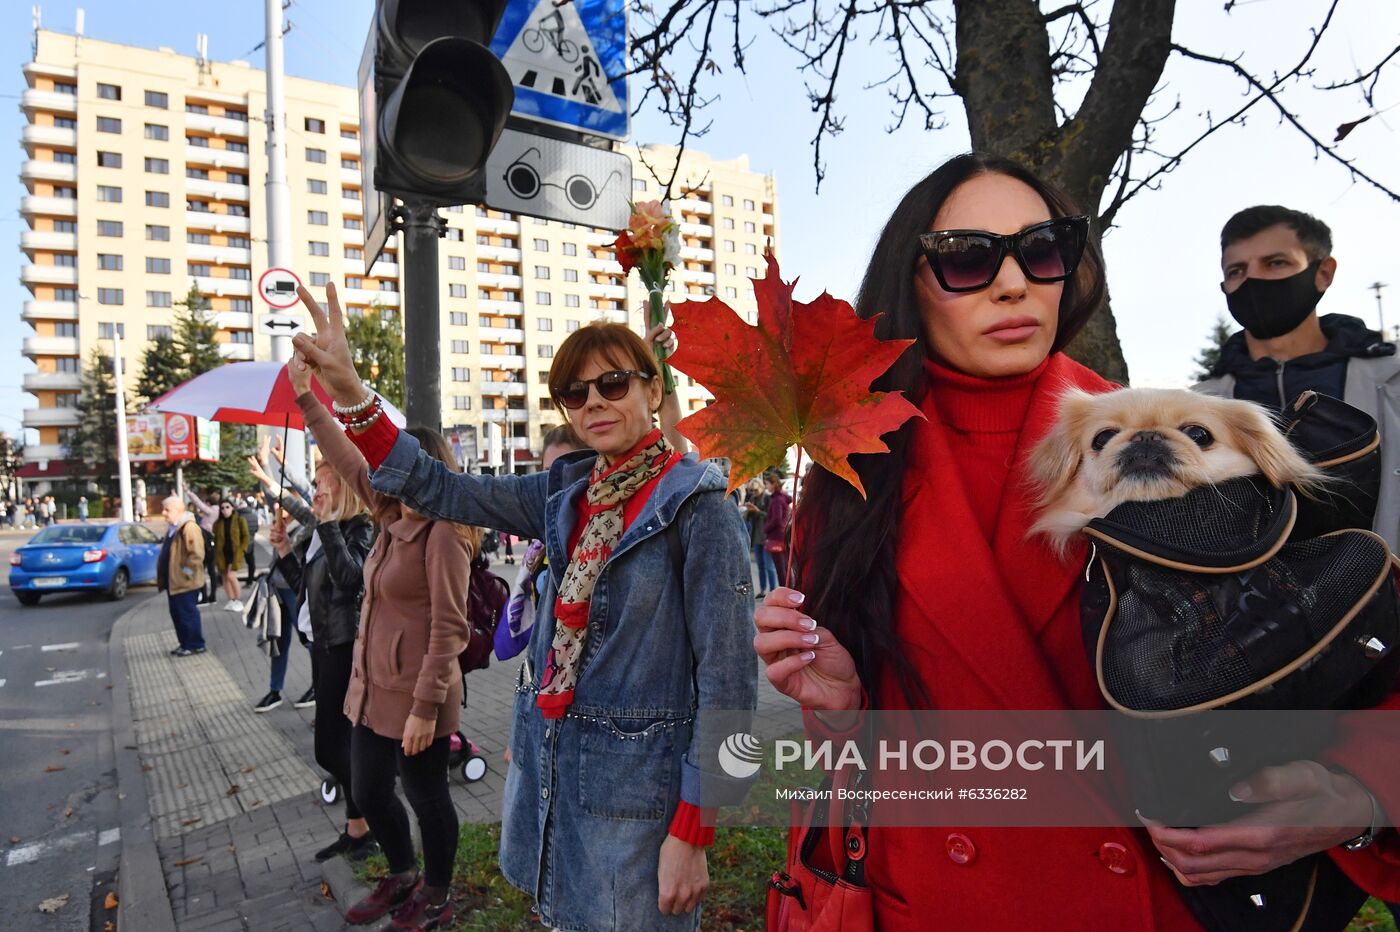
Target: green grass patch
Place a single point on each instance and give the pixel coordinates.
(1374, 917)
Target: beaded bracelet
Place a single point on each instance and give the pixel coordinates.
(366, 422)
(365, 415)
(368, 400)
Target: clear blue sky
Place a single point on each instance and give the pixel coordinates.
(1163, 258)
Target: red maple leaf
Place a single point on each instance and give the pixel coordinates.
(801, 377)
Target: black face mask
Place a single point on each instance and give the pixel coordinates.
(1269, 308)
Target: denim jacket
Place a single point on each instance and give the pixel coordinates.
(589, 797)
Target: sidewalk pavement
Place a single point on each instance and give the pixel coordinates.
(232, 799)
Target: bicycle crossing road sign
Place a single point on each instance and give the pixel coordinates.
(568, 63)
(540, 177)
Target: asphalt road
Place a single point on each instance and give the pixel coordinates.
(58, 834)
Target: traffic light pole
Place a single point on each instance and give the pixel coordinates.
(422, 226)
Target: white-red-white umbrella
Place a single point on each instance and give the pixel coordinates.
(246, 393)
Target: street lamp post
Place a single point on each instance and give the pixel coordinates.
(123, 464)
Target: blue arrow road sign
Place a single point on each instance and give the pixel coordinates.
(568, 63)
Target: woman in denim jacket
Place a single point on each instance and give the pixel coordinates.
(632, 666)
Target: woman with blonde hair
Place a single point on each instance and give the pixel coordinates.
(327, 572)
(405, 692)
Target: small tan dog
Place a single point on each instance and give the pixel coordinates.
(1149, 444)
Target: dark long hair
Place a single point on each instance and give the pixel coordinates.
(435, 445)
(847, 550)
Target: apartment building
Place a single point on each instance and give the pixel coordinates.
(143, 175)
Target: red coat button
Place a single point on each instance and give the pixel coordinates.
(1117, 858)
(961, 850)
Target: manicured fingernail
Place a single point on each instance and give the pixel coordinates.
(1140, 817)
(807, 624)
(796, 598)
(1241, 791)
(809, 656)
(810, 639)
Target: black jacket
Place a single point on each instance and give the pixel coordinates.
(334, 583)
(1275, 384)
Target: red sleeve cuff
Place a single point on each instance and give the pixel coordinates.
(376, 442)
(687, 825)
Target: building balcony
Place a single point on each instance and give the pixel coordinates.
(498, 226)
(36, 68)
(697, 254)
(50, 346)
(351, 176)
(30, 240)
(233, 320)
(600, 237)
(606, 266)
(506, 415)
(601, 290)
(51, 417)
(216, 125)
(33, 135)
(695, 276)
(369, 296)
(507, 335)
(383, 269)
(502, 361)
(499, 280)
(218, 158)
(352, 207)
(767, 219)
(224, 287)
(702, 230)
(49, 310)
(52, 101)
(507, 308)
(498, 253)
(236, 351)
(508, 389)
(349, 146)
(692, 205)
(36, 204)
(52, 381)
(220, 255)
(218, 190)
(219, 223)
(31, 274)
(614, 317)
(43, 452)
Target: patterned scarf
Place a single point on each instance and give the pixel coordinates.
(608, 489)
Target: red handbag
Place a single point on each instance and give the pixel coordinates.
(823, 888)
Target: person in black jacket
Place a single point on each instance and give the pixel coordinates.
(328, 575)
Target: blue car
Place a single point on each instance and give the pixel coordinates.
(106, 558)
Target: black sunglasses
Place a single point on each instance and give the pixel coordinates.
(612, 385)
(968, 260)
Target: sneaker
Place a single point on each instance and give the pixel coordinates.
(269, 702)
(307, 700)
(388, 894)
(356, 849)
(419, 913)
(179, 652)
(234, 605)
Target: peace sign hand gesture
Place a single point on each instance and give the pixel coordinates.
(328, 353)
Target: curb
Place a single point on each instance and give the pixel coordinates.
(142, 901)
(340, 877)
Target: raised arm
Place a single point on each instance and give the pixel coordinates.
(343, 456)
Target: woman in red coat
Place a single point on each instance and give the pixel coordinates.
(930, 595)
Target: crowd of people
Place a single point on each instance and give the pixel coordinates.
(639, 584)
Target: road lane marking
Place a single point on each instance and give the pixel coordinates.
(71, 645)
(2, 682)
(70, 676)
(32, 852)
(109, 836)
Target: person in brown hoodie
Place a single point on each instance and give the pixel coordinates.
(405, 686)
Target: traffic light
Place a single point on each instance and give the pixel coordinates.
(442, 97)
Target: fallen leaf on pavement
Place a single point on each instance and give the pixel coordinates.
(111, 901)
(188, 861)
(53, 904)
(191, 821)
(233, 790)
(68, 813)
(64, 751)
(249, 769)
(182, 786)
(51, 768)
(232, 849)
(326, 890)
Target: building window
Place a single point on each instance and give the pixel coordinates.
(457, 318)
(65, 158)
(111, 296)
(320, 279)
(65, 226)
(570, 249)
(198, 268)
(158, 166)
(69, 89)
(542, 298)
(198, 174)
(108, 262)
(199, 142)
(462, 402)
(483, 267)
(240, 116)
(456, 263)
(106, 330)
(729, 245)
(156, 131)
(239, 242)
(244, 305)
(65, 294)
(354, 281)
(240, 273)
(571, 325)
(460, 374)
(571, 275)
(240, 336)
(748, 204)
(571, 300)
(350, 194)
(109, 125)
(726, 201)
(348, 133)
(731, 292)
(318, 248)
(159, 234)
(544, 324)
(157, 266)
(65, 364)
(388, 286)
(159, 332)
(545, 351)
(66, 329)
(109, 92)
(157, 199)
(639, 184)
(541, 221)
(456, 291)
(314, 186)
(751, 271)
(233, 146)
(314, 125)
(354, 252)
(751, 249)
(542, 271)
(542, 245)
(317, 218)
(196, 108)
(749, 227)
(199, 239)
(316, 155)
(461, 346)
(158, 100)
(727, 223)
(728, 269)
(236, 210)
(65, 260)
(64, 123)
(483, 295)
(158, 299)
(109, 160)
(350, 164)
(65, 192)
(354, 223)
(454, 235)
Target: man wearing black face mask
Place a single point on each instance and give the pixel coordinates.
(1277, 264)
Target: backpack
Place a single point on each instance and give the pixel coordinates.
(486, 600)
